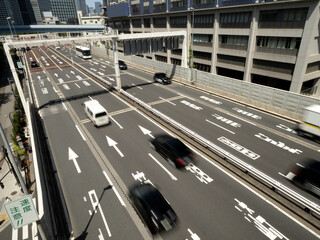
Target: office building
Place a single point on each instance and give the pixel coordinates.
(97, 7)
(268, 42)
(65, 10)
(81, 6)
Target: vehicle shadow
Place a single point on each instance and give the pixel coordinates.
(84, 233)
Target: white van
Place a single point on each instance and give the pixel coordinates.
(96, 112)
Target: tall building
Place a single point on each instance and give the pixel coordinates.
(267, 42)
(65, 10)
(44, 6)
(81, 6)
(21, 12)
(97, 7)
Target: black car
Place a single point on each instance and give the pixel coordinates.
(153, 208)
(162, 78)
(122, 65)
(173, 150)
(308, 176)
(34, 64)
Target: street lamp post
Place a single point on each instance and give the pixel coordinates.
(8, 20)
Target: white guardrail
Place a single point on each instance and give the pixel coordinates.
(290, 194)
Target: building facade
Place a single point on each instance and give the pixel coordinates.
(65, 10)
(267, 42)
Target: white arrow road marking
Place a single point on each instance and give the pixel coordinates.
(113, 143)
(100, 236)
(146, 131)
(66, 87)
(193, 235)
(39, 77)
(167, 171)
(114, 189)
(72, 72)
(73, 156)
(79, 77)
(95, 203)
(56, 74)
(86, 83)
(60, 80)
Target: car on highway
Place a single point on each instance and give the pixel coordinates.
(173, 150)
(161, 78)
(307, 176)
(34, 64)
(152, 207)
(122, 65)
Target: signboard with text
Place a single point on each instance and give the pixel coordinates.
(21, 212)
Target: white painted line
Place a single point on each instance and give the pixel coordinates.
(67, 76)
(73, 156)
(34, 228)
(100, 236)
(77, 85)
(114, 189)
(136, 86)
(235, 116)
(167, 171)
(14, 234)
(25, 232)
(65, 107)
(167, 101)
(84, 199)
(90, 212)
(80, 133)
(113, 144)
(186, 97)
(220, 126)
(90, 97)
(95, 204)
(116, 122)
(55, 90)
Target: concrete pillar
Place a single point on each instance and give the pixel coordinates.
(215, 42)
(251, 45)
(168, 30)
(307, 46)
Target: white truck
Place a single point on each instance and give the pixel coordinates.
(310, 123)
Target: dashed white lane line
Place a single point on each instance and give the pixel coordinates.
(167, 171)
(219, 126)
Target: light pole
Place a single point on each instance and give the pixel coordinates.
(8, 20)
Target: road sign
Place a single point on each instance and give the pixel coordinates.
(21, 211)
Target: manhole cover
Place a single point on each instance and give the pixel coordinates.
(14, 193)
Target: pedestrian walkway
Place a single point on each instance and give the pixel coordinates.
(9, 187)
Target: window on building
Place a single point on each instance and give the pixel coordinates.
(202, 55)
(146, 22)
(176, 51)
(201, 2)
(160, 22)
(225, 40)
(136, 23)
(178, 22)
(159, 5)
(202, 67)
(126, 23)
(178, 3)
(202, 38)
(176, 61)
(161, 58)
(135, 8)
(279, 42)
(203, 21)
(236, 20)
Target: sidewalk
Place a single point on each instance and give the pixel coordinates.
(11, 188)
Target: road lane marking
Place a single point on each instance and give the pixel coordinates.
(80, 133)
(116, 122)
(136, 86)
(73, 156)
(77, 85)
(95, 204)
(167, 101)
(219, 126)
(167, 171)
(113, 144)
(114, 189)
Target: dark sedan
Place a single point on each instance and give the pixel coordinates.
(153, 208)
(122, 65)
(161, 78)
(173, 150)
(307, 176)
(34, 64)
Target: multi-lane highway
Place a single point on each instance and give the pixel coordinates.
(96, 166)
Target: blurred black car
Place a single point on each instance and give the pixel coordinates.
(122, 65)
(308, 176)
(34, 64)
(173, 150)
(153, 208)
(161, 78)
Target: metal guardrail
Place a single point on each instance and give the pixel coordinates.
(289, 194)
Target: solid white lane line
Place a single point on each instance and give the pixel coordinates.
(167, 171)
(80, 133)
(114, 189)
(220, 126)
(167, 101)
(242, 119)
(116, 122)
(25, 232)
(65, 107)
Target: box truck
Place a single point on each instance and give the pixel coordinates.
(310, 123)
